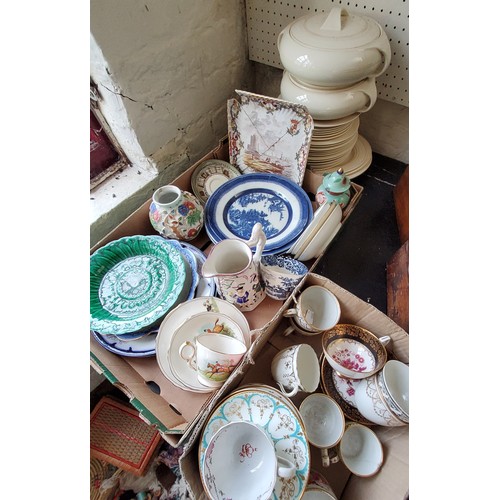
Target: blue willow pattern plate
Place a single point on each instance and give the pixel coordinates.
(281, 206)
(277, 416)
(134, 281)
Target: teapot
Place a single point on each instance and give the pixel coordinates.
(236, 269)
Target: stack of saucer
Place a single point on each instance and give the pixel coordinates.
(331, 61)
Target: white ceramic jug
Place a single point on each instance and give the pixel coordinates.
(237, 270)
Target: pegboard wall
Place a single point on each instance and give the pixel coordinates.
(267, 18)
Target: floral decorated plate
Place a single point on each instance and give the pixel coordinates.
(269, 135)
(209, 175)
(344, 397)
(134, 282)
(279, 418)
(283, 208)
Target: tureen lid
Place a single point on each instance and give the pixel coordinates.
(337, 29)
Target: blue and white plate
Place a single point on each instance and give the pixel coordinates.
(281, 206)
(206, 286)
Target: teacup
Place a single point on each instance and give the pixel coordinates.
(295, 369)
(318, 488)
(324, 423)
(383, 398)
(316, 310)
(281, 274)
(241, 462)
(361, 450)
(294, 327)
(353, 351)
(213, 356)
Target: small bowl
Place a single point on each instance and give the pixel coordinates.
(281, 274)
(354, 352)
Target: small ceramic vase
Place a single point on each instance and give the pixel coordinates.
(175, 213)
(334, 188)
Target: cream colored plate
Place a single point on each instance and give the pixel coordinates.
(321, 239)
(319, 217)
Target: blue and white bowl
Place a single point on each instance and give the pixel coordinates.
(281, 274)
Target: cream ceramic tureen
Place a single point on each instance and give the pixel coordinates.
(334, 49)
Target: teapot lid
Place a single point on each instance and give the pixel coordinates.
(336, 182)
(337, 29)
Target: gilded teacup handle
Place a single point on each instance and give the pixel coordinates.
(190, 359)
(290, 394)
(385, 340)
(326, 459)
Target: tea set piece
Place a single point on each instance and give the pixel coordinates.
(177, 317)
(209, 175)
(361, 450)
(330, 387)
(353, 351)
(324, 422)
(316, 309)
(235, 268)
(269, 135)
(282, 208)
(318, 488)
(206, 286)
(241, 463)
(281, 275)
(296, 368)
(383, 398)
(212, 356)
(134, 282)
(273, 412)
(176, 213)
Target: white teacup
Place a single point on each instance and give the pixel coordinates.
(295, 369)
(213, 356)
(361, 450)
(384, 398)
(318, 488)
(324, 423)
(241, 463)
(316, 310)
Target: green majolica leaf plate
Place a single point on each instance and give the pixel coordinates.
(134, 281)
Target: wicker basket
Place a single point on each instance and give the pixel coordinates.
(120, 437)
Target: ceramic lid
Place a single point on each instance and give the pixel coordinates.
(336, 182)
(337, 29)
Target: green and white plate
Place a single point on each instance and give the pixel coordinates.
(134, 282)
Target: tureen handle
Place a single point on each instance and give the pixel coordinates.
(334, 20)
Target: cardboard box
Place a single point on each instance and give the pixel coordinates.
(392, 481)
(174, 412)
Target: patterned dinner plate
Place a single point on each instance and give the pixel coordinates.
(134, 282)
(278, 417)
(281, 206)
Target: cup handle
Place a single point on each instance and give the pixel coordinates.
(190, 358)
(288, 331)
(286, 469)
(290, 312)
(326, 459)
(290, 394)
(385, 340)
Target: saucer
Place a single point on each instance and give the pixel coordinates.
(210, 175)
(329, 388)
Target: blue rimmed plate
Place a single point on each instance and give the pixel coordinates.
(277, 416)
(134, 282)
(281, 206)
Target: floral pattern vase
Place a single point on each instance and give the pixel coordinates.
(175, 213)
